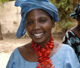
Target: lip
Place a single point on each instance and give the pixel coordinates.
(38, 35)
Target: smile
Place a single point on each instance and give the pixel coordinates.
(39, 35)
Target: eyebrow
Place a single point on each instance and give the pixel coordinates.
(28, 18)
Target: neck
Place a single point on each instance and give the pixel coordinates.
(42, 45)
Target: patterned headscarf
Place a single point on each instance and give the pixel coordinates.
(28, 5)
(76, 12)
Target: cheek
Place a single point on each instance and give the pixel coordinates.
(28, 29)
(48, 26)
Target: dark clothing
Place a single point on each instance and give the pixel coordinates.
(74, 41)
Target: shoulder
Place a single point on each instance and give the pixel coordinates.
(56, 48)
(26, 51)
(57, 45)
(63, 47)
(69, 35)
(68, 50)
(15, 54)
(67, 47)
(13, 58)
(69, 32)
(25, 48)
(65, 50)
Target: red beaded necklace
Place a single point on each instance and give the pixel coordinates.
(43, 54)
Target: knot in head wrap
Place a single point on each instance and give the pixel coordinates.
(28, 5)
(76, 12)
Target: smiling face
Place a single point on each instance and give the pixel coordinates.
(39, 25)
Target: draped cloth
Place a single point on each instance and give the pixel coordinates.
(76, 12)
(28, 5)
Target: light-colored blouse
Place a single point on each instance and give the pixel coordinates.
(64, 58)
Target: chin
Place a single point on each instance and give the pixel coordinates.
(38, 41)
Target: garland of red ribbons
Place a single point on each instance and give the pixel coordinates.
(43, 54)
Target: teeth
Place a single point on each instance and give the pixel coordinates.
(38, 34)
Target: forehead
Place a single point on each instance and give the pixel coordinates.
(38, 12)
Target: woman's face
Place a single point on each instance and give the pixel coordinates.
(39, 25)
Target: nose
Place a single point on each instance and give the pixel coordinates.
(36, 25)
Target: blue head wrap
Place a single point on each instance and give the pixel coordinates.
(28, 5)
(76, 12)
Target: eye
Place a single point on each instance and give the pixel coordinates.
(42, 20)
(29, 22)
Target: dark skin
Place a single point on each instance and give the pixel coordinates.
(39, 26)
(76, 29)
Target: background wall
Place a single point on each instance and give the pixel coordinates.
(9, 17)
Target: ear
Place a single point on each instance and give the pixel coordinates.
(53, 23)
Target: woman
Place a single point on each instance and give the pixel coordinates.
(72, 36)
(38, 19)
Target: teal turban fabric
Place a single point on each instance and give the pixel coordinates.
(76, 12)
(28, 5)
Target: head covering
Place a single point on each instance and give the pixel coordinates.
(76, 12)
(28, 5)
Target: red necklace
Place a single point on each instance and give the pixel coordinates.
(43, 54)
